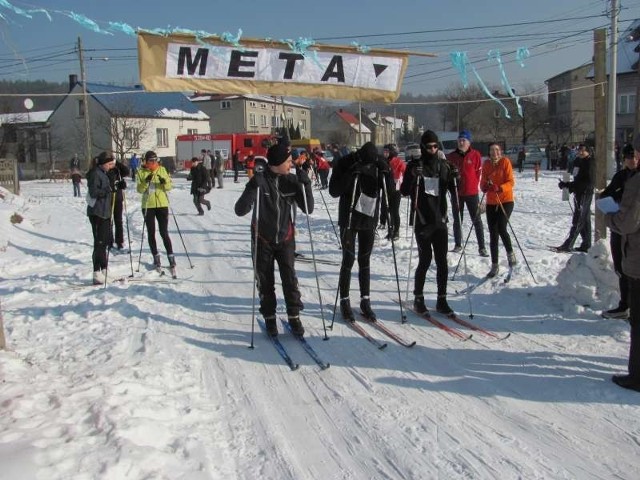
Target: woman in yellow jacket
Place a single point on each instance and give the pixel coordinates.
(153, 182)
(497, 183)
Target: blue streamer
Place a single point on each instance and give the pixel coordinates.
(495, 55)
(521, 54)
(229, 38)
(459, 61)
(489, 94)
(123, 28)
(86, 22)
(361, 48)
(301, 46)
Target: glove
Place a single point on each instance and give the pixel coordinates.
(562, 184)
(149, 177)
(259, 168)
(390, 232)
(418, 170)
(383, 166)
(202, 190)
(455, 173)
(162, 181)
(496, 188)
(303, 177)
(121, 185)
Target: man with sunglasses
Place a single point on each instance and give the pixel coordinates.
(468, 161)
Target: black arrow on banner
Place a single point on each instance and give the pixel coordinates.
(378, 69)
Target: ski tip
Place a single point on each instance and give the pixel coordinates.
(325, 366)
(383, 346)
(294, 367)
(412, 344)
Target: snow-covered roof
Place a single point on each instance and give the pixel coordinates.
(627, 58)
(397, 122)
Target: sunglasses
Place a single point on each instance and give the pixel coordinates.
(431, 145)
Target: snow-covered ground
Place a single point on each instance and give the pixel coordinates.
(154, 379)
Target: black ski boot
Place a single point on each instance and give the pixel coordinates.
(296, 326)
(172, 265)
(442, 306)
(495, 268)
(345, 310)
(157, 264)
(272, 326)
(365, 308)
(419, 306)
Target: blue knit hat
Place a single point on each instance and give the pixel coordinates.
(465, 134)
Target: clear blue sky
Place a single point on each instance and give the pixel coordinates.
(558, 37)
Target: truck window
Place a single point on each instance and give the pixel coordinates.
(248, 142)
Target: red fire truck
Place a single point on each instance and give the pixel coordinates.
(189, 146)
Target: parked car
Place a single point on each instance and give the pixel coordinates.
(411, 151)
(533, 154)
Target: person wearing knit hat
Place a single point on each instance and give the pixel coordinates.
(615, 189)
(100, 210)
(272, 193)
(153, 182)
(360, 180)
(426, 181)
(468, 161)
(582, 188)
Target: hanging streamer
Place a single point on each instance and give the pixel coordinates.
(521, 54)
(495, 55)
(229, 38)
(361, 48)
(459, 61)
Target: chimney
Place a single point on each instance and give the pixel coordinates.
(73, 81)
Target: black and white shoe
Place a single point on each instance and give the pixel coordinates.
(618, 312)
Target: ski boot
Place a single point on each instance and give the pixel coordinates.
(495, 268)
(442, 306)
(296, 326)
(511, 258)
(172, 265)
(157, 264)
(419, 305)
(272, 326)
(365, 308)
(98, 277)
(345, 310)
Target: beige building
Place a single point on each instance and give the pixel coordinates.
(571, 107)
(253, 114)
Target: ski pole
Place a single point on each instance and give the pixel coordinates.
(144, 224)
(517, 241)
(345, 232)
(403, 317)
(256, 280)
(126, 216)
(330, 219)
(473, 225)
(175, 220)
(313, 257)
(113, 207)
(414, 211)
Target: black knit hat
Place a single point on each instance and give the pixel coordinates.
(368, 153)
(150, 155)
(278, 154)
(429, 137)
(627, 151)
(105, 157)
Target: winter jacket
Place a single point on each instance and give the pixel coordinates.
(615, 189)
(279, 195)
(626, 222)
(584, 172)
(99, 187)
(469, 165)
(372, 176)
(154, 193)
(430, 208)
(200, 178)
(500, 174)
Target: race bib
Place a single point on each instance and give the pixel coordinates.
(366, 205)
(432, 186)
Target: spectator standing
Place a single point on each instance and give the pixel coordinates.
(219, 168)
(117, 176)
(134, 165)
(236, 165)
(200, 184)
(468, 162)
(76, 180)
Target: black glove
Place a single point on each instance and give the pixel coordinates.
(303, 177)
(149, 177)
(390, 232)
(455, 173)
(162, 181)
(259, 167)
(562, 184)
(383, 166)
(121, 185)
(418, 170)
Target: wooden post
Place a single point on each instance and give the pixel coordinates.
(600, 104)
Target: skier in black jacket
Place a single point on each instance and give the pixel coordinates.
(357, 179)
(200, 184)
(429, 177)
(280, 192)
(582, 189)
(117, 176)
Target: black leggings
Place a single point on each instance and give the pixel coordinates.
(497, 223)
(162, 215)
(434, 245)
(101, 228)
(365, 247)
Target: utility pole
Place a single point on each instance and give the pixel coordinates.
(613, 77)
(360, 124)
(600, 104)
(85, 99)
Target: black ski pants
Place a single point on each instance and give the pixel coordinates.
(581, 220)
(101, 228)
(616, 255)
(284, 254)
(497, 223)
(162, 215)
(434, 245)
(457, 210)
(365, 247)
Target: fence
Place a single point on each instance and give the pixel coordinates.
(9, 175)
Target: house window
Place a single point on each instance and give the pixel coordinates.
(252, 104)
(626, 103)
(303, 125)
(252, 120)
(225, 105)
(263, 120)
(303, 113)
(192, 131)
(162, 137)
(81, 108)
(263, 105)
(275, 121)
(132, 137)
(44, 141)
